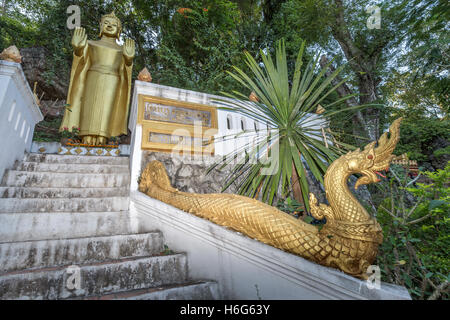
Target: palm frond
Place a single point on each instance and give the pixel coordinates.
(287, 107)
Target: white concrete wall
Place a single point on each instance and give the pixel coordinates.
(222, 147)
(18, 114)
(151, 89)
(245, 268)
(224, 141)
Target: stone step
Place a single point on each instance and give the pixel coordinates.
(95, 279)
(61, 225)
(200, 290)
(15, 178)
(72, 167)
(39, 254)
(11, 205)
(36, 192)
(57, 158)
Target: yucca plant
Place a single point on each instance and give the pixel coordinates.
(286, 106)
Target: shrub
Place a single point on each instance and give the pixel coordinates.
(415, 221)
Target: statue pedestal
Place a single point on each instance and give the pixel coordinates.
(19, 114)
(57, 148)
(89, 151)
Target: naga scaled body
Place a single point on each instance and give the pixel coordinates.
(348, 241)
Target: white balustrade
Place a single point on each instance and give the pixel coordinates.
(19, 114)
(235, 131)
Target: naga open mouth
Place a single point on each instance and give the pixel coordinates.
(380, 174)
(381, 155)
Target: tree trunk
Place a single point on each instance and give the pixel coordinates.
(363, 65)
(367, 89)
(359, 127)
(296, 187)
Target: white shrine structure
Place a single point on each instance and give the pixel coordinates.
(237, 267)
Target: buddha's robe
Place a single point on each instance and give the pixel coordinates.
(99, 91)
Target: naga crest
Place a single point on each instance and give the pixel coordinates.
(374, 157)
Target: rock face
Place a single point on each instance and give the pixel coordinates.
(362, 194)
(315, 187)
(35, 65)
(189, 176)
(53, 109)
(67, 216)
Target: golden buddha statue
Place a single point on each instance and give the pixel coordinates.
(100, 83)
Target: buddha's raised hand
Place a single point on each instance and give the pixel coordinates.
(129, 50)
(79, 39)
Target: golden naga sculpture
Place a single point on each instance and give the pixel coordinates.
(350, 237)
(100, 83)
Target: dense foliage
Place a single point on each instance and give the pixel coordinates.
(198, 45)
(188, 44)
(416, 227)
(418, 137)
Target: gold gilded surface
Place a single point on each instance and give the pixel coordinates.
(183, 121)
(100, 83)
(320, 109)
(11, 54)
(348, 241)
(175, 113)
(145, 75)
(253, 97)
(165, 113)
(176, 141)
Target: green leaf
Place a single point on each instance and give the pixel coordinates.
(308, 219)
(407, 280)
(435, 203)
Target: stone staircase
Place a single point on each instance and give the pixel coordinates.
(65, 233)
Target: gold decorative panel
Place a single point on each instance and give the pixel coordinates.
(171, 125)
(165, 113)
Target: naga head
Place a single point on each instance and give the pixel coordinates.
(374, 158)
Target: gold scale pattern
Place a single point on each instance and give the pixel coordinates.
(348, 241)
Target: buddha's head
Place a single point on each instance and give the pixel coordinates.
(110, 26)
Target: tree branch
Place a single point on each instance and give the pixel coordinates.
(420, 219)
(341, 33)
(437, 293)
(343, 90)
(381, 206)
